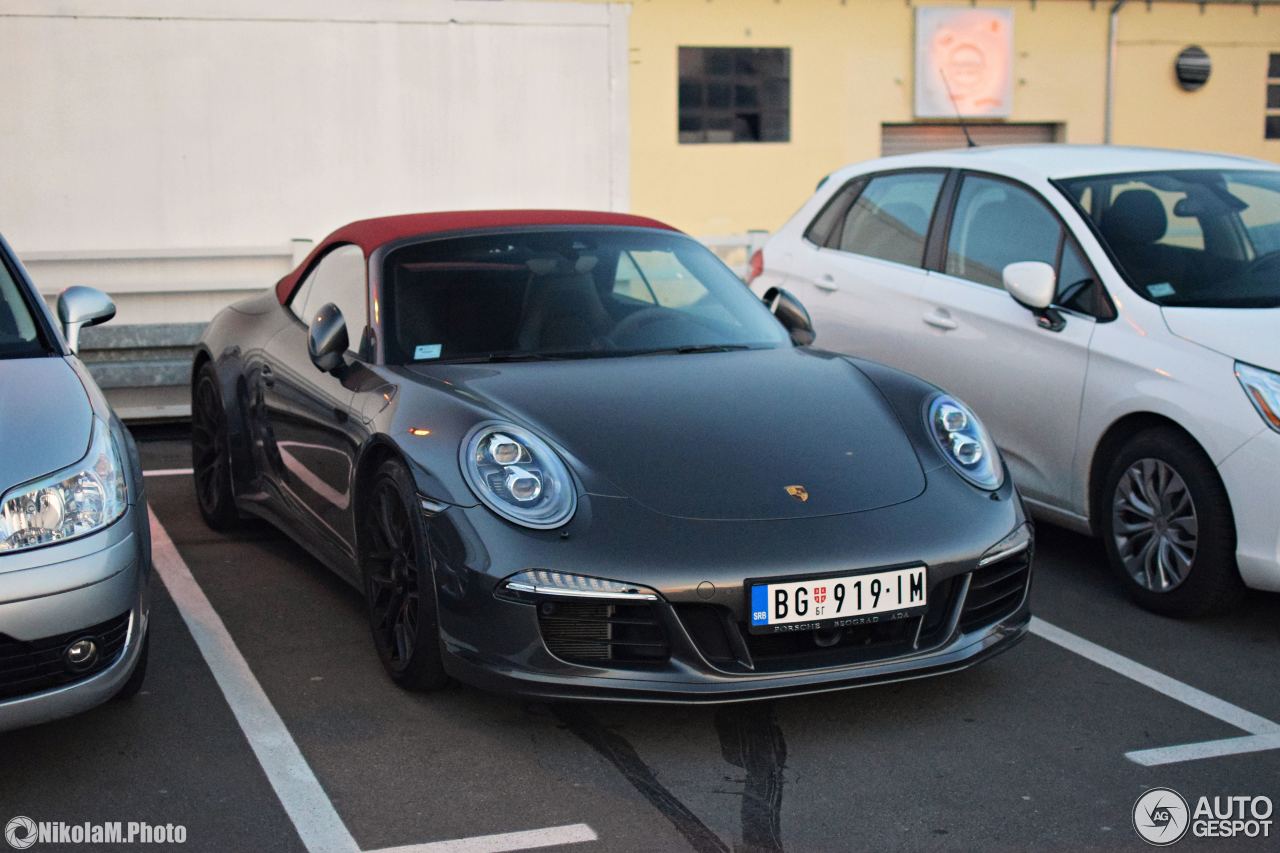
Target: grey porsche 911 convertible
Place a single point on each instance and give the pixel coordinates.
(570, 455)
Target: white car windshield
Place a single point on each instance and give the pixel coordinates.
(571, 293)
(1204, 238)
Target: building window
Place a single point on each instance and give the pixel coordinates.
(735, 94)
(1273, 96)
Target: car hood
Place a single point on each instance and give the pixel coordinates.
(45, 418)
(717, 436)
(1248, 334)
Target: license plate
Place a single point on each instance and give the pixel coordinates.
(837, 601)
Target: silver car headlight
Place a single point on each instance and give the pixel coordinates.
(518, 476)
(1263, 388)
(71, 503)
(965, 442)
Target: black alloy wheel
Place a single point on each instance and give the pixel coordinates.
(210, 452)
(399, 582)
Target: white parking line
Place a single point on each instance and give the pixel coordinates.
(300, 792)
(1204, 749)
(1263, 733)
(167, 472)
(304, 800)
(534, 838)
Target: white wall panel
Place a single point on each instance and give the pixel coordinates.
(138, 125)
(144, 133)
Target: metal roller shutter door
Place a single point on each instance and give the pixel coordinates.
(909, 138)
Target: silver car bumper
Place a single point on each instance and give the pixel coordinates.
(65, 590)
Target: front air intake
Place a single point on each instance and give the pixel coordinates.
(996, 590)
(603, 634)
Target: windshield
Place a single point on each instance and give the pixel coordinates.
(566, 294)
(19, 335)
(1205, 238)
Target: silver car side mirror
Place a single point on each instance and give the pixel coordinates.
(327, 340)
(80, 306)
(1032, 284)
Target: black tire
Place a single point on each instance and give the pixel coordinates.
(211, 451)
(134, 683)
(1179, 559)
(399, 582)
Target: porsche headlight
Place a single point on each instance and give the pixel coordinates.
(965, 442)
(74, 502)
(518, 476)
(1263, 388)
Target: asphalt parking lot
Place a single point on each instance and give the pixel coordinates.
(1047, 746)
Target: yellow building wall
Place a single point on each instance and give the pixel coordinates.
(852, 65)
(1226, 114)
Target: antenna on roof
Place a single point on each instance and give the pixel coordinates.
(955, 106)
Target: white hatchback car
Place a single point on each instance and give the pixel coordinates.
(1131, 380)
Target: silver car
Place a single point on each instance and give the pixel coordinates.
(75, 543)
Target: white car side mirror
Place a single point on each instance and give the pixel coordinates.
(1032, 284)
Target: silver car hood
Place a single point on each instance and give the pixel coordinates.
(45, 418)
(1251, 335)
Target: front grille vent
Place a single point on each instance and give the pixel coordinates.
(995, 591)
(28, 667)
(604, 634)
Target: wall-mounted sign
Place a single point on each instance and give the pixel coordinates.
(969, 51)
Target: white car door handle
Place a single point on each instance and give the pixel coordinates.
(827, 283)
(940, 320)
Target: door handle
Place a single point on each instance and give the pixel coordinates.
(826, 283)
(941, 320)
(268, 378)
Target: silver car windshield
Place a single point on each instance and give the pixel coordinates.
(1204, 238)
(574, 293)
(19, 334)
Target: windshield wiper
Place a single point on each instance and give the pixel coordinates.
(494, 357)
(690, 349)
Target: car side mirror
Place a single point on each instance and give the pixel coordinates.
(80, 306)
(327, 341)
(1033, 285)
(791, 314)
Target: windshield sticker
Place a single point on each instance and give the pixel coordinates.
(423, 351)
(1164, 288)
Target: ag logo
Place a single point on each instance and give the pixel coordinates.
(1161, 816)
(20, 832)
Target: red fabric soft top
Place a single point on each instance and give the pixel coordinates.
(369, 234)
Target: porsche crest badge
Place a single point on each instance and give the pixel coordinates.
(800, 493)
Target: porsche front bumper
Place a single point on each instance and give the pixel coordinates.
(688, 678)
(692, 645)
